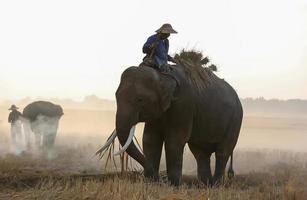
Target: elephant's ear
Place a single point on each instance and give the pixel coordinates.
(166, 92)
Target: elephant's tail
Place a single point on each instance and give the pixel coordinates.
(231, 173)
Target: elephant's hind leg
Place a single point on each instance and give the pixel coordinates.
(231, 172)
(225, 149)
(220, 164)
(203, 164)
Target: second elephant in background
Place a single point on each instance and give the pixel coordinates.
(42, 119)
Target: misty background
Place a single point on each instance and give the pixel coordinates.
(272, 124)
(273, 131)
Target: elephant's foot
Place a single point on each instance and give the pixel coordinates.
(174, 178)
(220, 165)
(230, 173)
(206, 179)
(218, 180)
(49, 153)
(151, 174)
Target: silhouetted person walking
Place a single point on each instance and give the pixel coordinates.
(16, 130)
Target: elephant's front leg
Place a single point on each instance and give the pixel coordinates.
(176, 137)
(152, 147)
(177, 134)
(174, 157)
(38, 140)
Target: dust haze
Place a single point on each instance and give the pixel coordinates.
(273, 133)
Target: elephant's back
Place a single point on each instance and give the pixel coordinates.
(208, 89)
(45, 108)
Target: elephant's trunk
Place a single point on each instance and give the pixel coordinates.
(123, 127)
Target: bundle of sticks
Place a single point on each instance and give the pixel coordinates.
(126, 163)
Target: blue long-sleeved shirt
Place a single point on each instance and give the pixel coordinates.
(161, 52)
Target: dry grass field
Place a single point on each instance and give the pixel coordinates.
(270, 163)
(74, 175)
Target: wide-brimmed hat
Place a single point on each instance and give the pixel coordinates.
(166, 28)
(13, 107)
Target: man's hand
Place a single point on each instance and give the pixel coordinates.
(171, 59)
(153, 46)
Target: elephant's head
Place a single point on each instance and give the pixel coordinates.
(143, 95)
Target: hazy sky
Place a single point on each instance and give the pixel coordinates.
(71, 48)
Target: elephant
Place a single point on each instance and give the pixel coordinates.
(42, 118)
(187, 105)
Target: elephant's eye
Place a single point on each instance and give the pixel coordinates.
(140, 100)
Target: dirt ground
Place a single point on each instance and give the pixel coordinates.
(270, 162)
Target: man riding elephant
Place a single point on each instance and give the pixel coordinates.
(189, 105)
(156, 48)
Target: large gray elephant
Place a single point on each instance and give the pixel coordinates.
(42, 118)
(189, 104)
